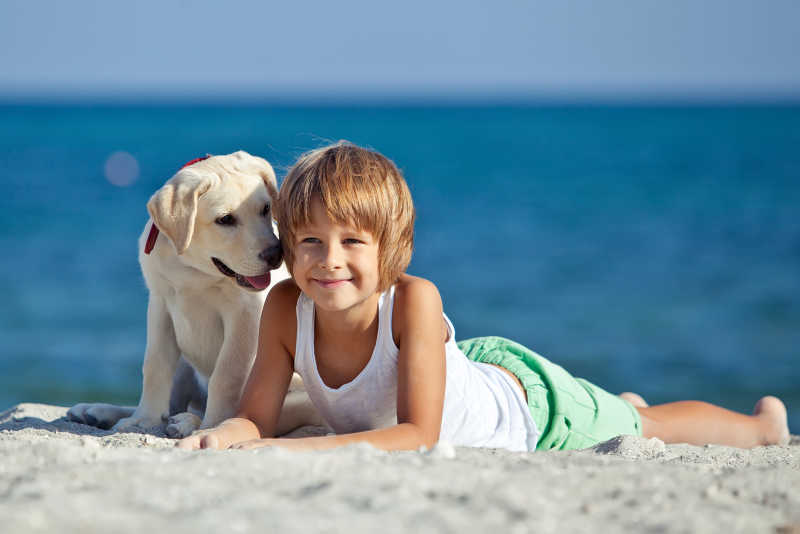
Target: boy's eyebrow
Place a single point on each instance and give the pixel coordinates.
(310, 228)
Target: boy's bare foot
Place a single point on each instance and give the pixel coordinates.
(772, 411)
(635, 399)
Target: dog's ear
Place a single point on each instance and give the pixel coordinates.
(174, 206)
(267, 174)
(250, 164)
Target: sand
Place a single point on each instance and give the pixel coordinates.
(59, 476)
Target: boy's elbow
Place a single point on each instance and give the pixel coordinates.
(427, 437)
(430, 443)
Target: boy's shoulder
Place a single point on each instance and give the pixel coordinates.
(278, 318)
(415, 289)
(283, 294)
(417, 305)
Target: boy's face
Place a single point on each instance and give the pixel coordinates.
(336, 265)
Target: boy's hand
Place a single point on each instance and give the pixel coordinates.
(234, 430)
(204, 439)
(256, 443)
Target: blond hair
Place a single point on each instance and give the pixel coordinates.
(356, 186)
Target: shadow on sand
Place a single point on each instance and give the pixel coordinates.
(54, 419)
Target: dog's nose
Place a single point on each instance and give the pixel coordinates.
(272, 255)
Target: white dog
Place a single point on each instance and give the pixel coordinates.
(207, 274)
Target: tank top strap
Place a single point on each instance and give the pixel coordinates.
(304, 341)
(385, 340)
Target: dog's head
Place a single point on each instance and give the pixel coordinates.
(217, 213)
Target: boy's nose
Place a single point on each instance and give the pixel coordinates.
(331, 258)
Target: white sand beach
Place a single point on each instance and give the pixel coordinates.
(59, 476)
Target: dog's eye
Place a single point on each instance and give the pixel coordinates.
(227, 220)
(265, 211)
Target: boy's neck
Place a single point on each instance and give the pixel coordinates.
(353, 321)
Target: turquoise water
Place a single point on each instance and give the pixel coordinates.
(647, 249)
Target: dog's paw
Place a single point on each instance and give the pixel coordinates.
(98, 414)
(137, 423)
(182, 425)
(79, 413)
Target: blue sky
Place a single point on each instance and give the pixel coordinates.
(614, 48)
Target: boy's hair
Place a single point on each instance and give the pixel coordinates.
(356, 186)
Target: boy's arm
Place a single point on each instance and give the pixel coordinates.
(421, 370)
(419, 325)
(402, 436)
(264, 393)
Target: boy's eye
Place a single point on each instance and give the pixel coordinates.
(352, 241)
(309, 240)
(226, 220)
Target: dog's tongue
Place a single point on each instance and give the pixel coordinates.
(259, 282)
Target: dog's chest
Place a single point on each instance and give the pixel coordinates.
(199, 323)
(199, 331)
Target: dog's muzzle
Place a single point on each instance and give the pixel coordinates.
(272, 255)
(255, 283)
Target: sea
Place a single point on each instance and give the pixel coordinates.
(646, 248)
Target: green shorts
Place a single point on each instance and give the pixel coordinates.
(570, 413)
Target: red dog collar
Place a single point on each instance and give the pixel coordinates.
(151, 238)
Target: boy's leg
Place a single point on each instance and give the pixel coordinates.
(700, 423)
(635, 399)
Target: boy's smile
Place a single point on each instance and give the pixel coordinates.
(335, 264)
(331, 284)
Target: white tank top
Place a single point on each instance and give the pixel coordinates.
(483, 406)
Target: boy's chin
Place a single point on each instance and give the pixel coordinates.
(340, 302)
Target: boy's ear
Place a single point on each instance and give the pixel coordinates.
(174, 206)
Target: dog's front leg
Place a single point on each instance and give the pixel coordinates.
(226, 383)
(160, 361)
